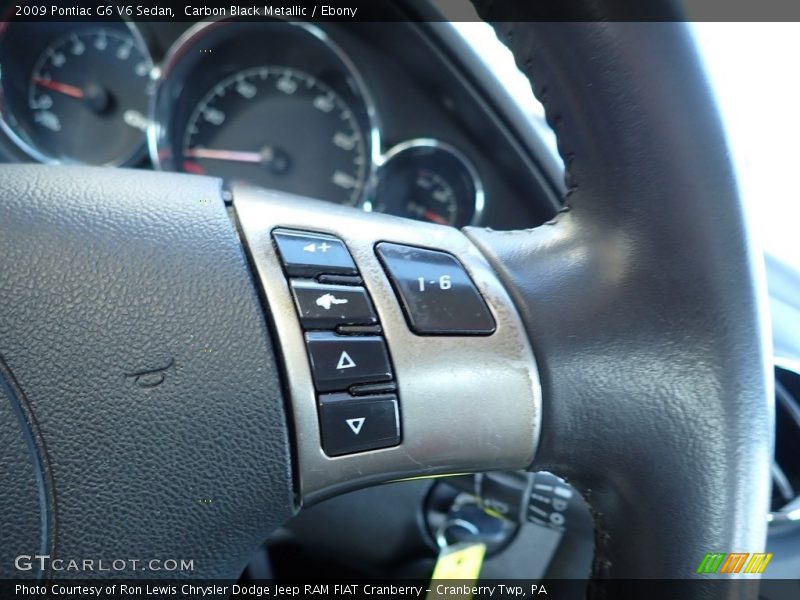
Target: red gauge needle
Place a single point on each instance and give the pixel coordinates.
(61, 88)
(432, 216)
(234, 155)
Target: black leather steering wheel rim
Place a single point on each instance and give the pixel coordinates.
(667, 431)
(142, 394)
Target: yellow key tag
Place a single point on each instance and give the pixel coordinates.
(460, 561)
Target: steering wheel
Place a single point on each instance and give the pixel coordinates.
(160, 400)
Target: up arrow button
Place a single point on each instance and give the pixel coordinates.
(345, 362)
(339, 361)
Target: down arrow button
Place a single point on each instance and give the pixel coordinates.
(351, 424)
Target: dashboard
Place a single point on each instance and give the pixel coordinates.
(372, 117)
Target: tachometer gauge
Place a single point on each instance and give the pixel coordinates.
(85, 98)
(428, 180)
(274, 104)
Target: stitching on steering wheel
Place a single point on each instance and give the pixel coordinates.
(525, 62)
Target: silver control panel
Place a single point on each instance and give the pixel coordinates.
(467, 398)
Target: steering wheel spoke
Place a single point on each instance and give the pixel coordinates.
(466, 401)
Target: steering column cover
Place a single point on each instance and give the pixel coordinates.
(642, 300)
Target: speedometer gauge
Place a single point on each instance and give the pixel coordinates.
(84, 97)
(246, 128)
(273, 104)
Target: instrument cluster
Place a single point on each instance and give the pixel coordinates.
(276, 104)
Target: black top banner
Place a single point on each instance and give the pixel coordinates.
(402, 10)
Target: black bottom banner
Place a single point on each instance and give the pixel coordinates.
(558, 589)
